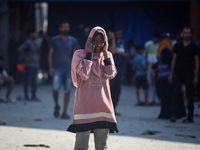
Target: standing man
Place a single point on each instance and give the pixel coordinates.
(61, 50)
(29, 51)
(117, 48)
(151, 54)
(184, 57)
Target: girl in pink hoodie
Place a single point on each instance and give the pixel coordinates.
(93, 109)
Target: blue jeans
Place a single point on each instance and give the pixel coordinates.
(30, 79)
(62, 77)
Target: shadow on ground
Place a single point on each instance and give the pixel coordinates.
(134, 121)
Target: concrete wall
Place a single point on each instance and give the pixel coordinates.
(16, 18)
(195, 19)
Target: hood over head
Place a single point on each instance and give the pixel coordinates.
(79, 55)
(97, 30)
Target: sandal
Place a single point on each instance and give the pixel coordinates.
(65, 116)
(56, 112)
(140, 104)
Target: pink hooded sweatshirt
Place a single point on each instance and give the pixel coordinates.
(93, 108)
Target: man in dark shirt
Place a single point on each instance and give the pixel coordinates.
(184, 57)
(29, 51)
(117, 48)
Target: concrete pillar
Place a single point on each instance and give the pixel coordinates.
(15, 23)
(195, 19)
(4, 31)
(38, 17)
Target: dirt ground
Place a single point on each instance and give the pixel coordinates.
(33, 123)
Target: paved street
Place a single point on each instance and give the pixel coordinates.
(33, 123)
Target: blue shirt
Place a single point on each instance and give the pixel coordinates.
(63, 51)
(164, 63)
(30, 50)
(138, 62)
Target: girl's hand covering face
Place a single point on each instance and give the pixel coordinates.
(88, 45)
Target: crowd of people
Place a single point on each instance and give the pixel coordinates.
(172, 66)
(162, 67)
(166, 68)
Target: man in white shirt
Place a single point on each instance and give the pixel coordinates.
(151, 55)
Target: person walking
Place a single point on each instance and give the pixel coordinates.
(61, 50)
(117, 48)
(184, 57)
(92, 69)
(29, 51)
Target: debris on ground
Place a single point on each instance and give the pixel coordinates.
(38, 120)
(19, 98)
(2, 123)
(149, 132)
(190, 136)
(37, 145)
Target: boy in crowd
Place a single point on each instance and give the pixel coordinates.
(140, 68)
